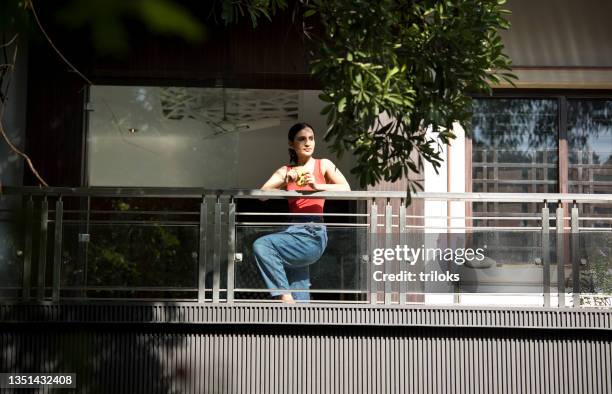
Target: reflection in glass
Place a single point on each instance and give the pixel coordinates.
(514, 145)
(595, 264)
(590, 152)
(514, 150)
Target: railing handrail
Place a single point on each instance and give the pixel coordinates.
(217, 228)
(194, 192)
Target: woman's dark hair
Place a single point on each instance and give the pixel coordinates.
(296, 128)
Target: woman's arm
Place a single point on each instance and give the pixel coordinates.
(335, 180)
(277, 181)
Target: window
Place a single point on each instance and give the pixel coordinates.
(517, 143)
(515, 147)
(589, 133)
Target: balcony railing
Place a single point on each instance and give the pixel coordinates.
(192, 244)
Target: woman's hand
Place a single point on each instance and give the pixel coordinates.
(309, 179)
(292, 175)
(277, 181)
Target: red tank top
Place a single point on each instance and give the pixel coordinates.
(307, 205)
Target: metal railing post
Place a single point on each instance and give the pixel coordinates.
(546, 254)
(388, 265)
(231, 248)
(88, 228)
(575, 244)
(217, 252)
(42, 247)
(202, 252)
(84, 239)
(403, 287)
(560, 257)
(57, 249)
(27, 258)
(373, 244)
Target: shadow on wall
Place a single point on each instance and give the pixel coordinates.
(110, 357)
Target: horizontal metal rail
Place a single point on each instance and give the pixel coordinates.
(330, 195)
(292, 223)
(181, 223)
(128, 288)
(139, 212)
(301, 214)
(321, 291)
(513, 165)
(135, 299)
(496, 228)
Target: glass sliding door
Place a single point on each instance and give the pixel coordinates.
(589, 134)
(514, 150)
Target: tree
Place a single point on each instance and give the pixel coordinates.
(412, 62)
(416, 62)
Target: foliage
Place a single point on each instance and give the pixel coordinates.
(107, 20)
(596, 276)
(146, 254)
(396, 73)
(392, 70)
(12, 13)
(233, 10)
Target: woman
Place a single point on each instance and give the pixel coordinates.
(283, 258)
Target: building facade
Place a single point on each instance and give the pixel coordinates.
(135, 269)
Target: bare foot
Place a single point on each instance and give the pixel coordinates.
(288, 298)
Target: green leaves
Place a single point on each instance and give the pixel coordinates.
(341, 105)
(309, 13)
(393, 70)
(108, 19)
(233, 10)
(166, 17)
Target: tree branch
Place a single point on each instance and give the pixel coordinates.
(30, 4)
(10, 68)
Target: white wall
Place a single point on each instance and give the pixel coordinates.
(451, 173)
(449, 178)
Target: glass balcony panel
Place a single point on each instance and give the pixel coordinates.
(594, 261)
(340, 273)
(128, 260)
(12, 245)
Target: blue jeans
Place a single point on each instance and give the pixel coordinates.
(284, 258)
